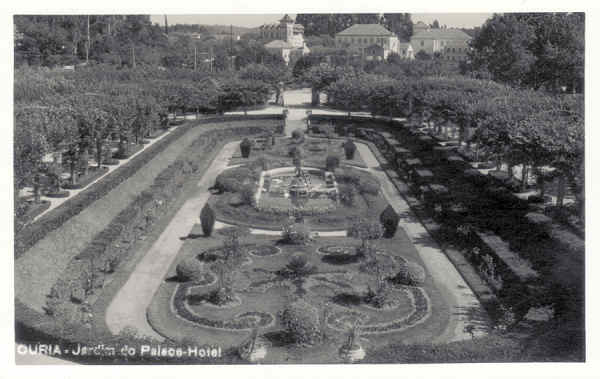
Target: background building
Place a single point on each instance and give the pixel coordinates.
(285, 38)
(453, 42)
(366, 38)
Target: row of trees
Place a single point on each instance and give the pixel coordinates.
(516, 127)
(76, 114)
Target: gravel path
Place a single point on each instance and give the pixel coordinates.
(128, 308)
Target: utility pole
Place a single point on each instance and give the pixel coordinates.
(231, 45)
(166, 26)
(195, 57)
(210, 56)
(87, 47)
(133, 55)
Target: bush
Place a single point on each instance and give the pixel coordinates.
(301, 321)
(299, 266)
(298, 135)
(189, 269)
(349, 149)
(295, 152)
(232, 180)
(368, 186)
(332, 162)
(207, 219)
(296, 234)
(246, 147)
(410, 274)
(247, 195)
(389, 219)
(346, 193)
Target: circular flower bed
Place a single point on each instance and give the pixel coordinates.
(421, 310)
(336, 250)
(264, 251)
(242, 321)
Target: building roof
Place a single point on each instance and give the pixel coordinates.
(366, 30)
(278, 44)
(286, 18)
(455, 34)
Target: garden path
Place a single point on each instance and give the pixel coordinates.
(128, 308)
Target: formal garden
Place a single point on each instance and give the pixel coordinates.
(448, 225)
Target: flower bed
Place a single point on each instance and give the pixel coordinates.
(242, 321)
(264, 251)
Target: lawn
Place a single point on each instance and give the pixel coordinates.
(180, 311)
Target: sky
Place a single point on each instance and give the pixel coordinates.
(458, 20)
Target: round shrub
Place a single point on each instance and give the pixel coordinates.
(298, 135)
(189, 269)
(389, 219)
(207, 220)
(368, 186)
(296, 234)
(232, 180)
(346, 193)
(245, 147)
(349, 149)
(410, 274)
(332, 162)
(247, 195)
(301, 321)
(298, 266)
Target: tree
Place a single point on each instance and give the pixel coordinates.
(435, 24)
(399, 23)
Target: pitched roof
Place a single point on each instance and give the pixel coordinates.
(442, 34)
(365, 30)
(279, 44)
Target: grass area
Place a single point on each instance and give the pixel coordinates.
(93, 174)
(39, 267)
(318, 291)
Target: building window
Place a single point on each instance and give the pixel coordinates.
(453, 50)
(422, 43)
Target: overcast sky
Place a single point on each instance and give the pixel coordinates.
(466, 20)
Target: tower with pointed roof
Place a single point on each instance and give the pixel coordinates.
(285, 38)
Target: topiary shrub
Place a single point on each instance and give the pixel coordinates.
(296, 234)
(389, 219)
(410, 274)
(207, 220)
(189, 269)
(332, 162)
(301, 321)
(349, 149)
(246, 147)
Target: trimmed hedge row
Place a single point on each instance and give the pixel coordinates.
(33, 233)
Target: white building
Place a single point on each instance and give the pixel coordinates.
(286, 38)
(373, 40)
(452, 44)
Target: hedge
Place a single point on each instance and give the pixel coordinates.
(33, 233)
